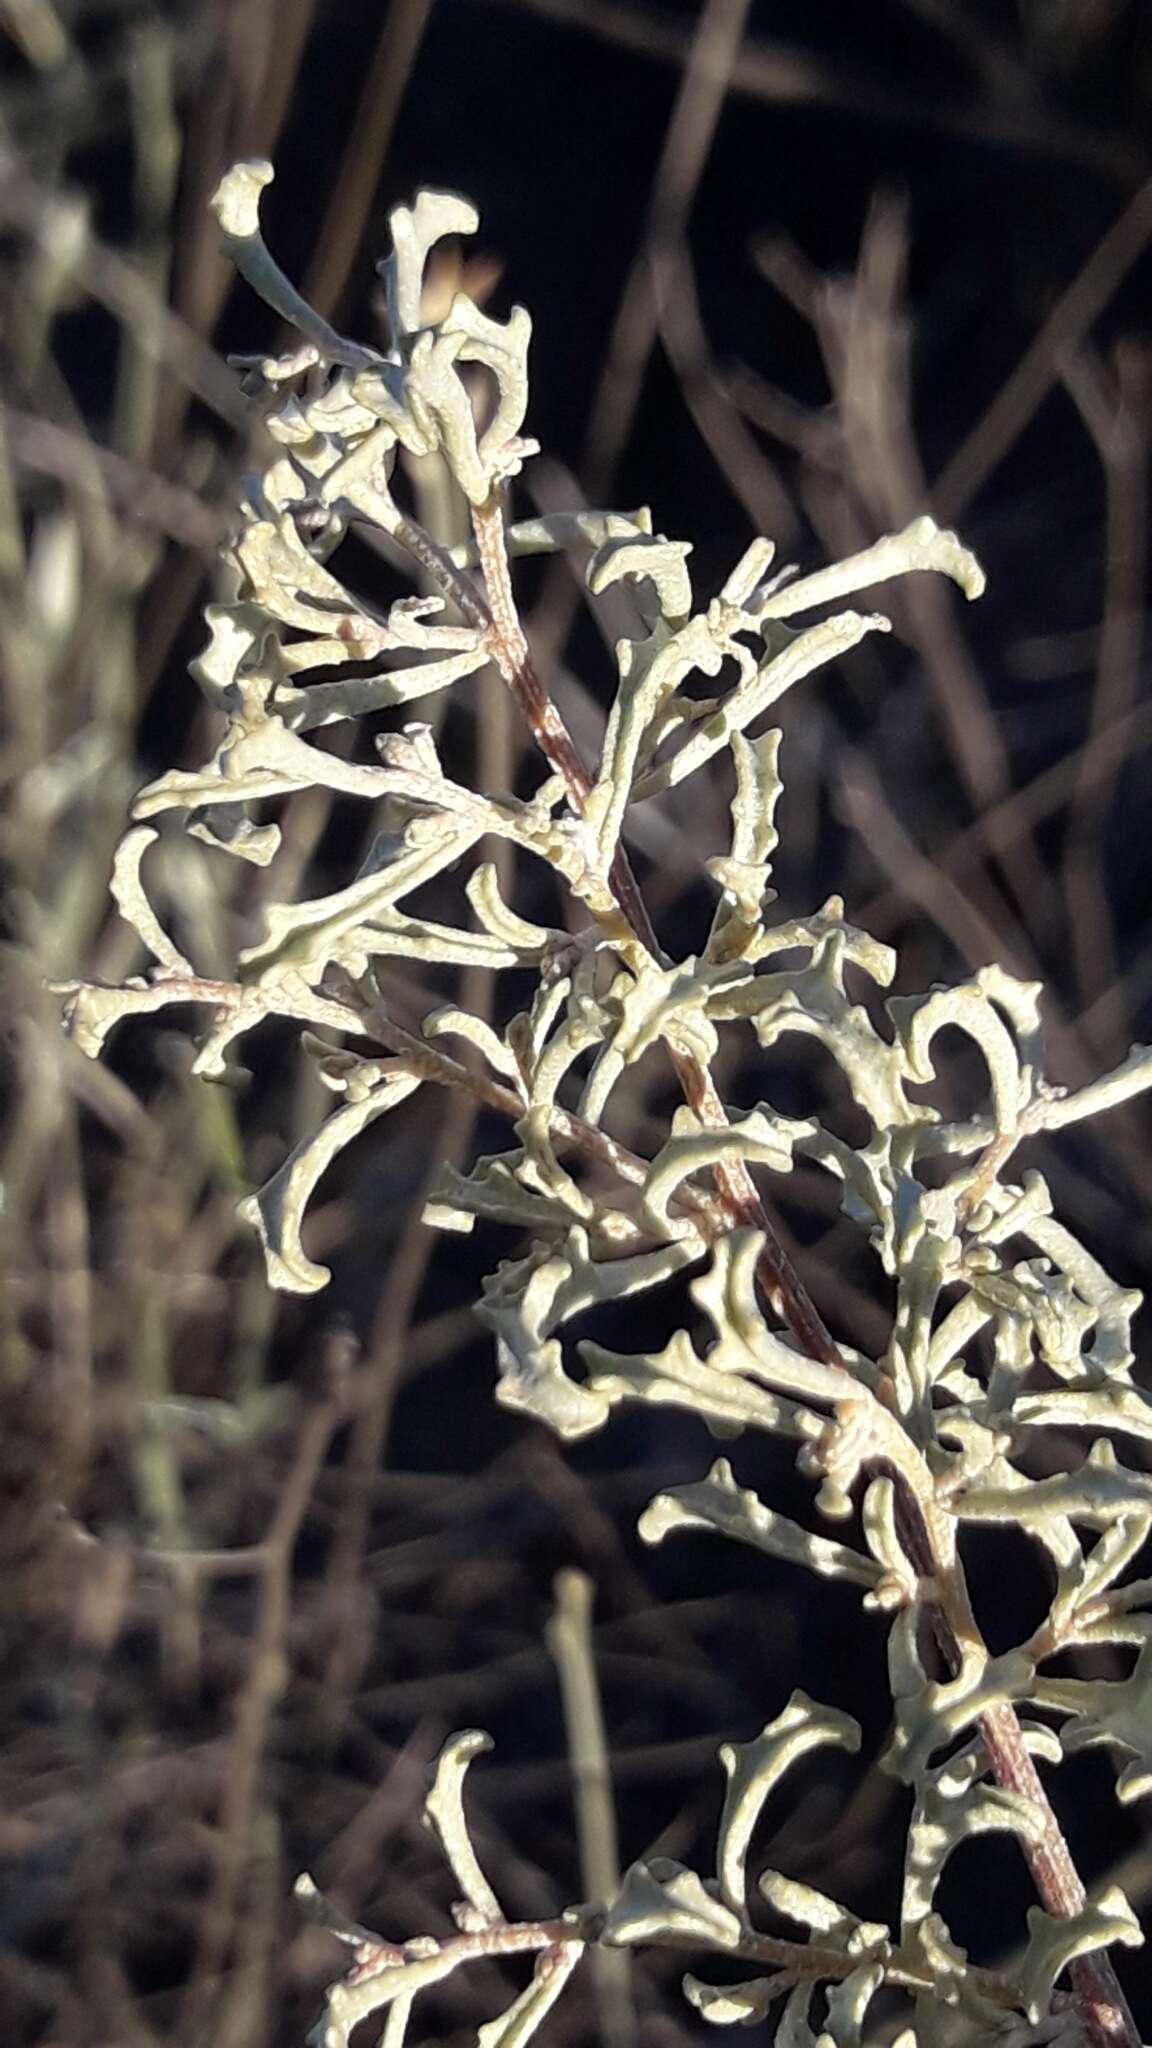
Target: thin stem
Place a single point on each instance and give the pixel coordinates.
(794, 1961)
(235, 204)
(257, 1699)
(1103, 2008)
(570, 1642)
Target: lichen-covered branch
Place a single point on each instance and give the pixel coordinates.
(1008, 1341)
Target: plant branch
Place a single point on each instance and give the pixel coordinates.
(1107, 2020)
(794, 1961)
(1103, 2008)
(777, 1277)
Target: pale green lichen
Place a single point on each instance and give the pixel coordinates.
(933, 1431)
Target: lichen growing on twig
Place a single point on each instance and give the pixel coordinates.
(1006, 1331)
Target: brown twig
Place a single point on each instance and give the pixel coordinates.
(707, 59)
(708, 64)
(386, 1355)
(352, 192)
(136, 491)
(257, 1701)
(1039, 367)
(785, 74)
(752, 479)
(1115, 409)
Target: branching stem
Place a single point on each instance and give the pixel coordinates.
(778, 1279)
(1108, 2023)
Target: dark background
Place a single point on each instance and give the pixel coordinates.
(800, 269)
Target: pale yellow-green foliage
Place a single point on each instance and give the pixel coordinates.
(1006, 1332)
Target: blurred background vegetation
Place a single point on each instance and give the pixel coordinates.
(802, 267)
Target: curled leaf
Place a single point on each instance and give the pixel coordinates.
(718, 1503)
(132, 899)
(444, 1814)
(930, 1715)
(922, 545)
(694, 1147)
(664, 1901)
(1053, 1944)
(1116, 1712)
(755, 1768)
(675, 1377)
(733, 2005)
(529, 1300)
(278, 1209)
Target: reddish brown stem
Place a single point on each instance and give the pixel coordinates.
(1104, 2010)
